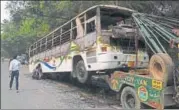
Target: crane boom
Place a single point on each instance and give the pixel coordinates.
(158, 32)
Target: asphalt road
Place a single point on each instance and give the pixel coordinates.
(48, 94)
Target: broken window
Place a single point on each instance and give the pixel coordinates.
(38, 46)
(74, 30)
(56, 39)
(107, 21)
(74, 33)
(112, 17)
(90, 27)
(90, 21)
(43, 47)
(49, 42)
(65, 36)
(90, 14)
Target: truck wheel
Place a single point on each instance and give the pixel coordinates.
(129, 99)
(161, 67)
(82, 75)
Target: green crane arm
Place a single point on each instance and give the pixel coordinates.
(156, 31)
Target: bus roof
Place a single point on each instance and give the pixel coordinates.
(119, 8)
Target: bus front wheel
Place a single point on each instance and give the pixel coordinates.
(82, 74)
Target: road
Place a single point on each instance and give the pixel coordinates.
(49, 94)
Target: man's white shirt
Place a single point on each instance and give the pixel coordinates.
(14, 65)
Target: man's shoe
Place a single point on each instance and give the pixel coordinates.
(17, 91)
(10, 89)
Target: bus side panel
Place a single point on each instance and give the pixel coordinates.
(58, 64)
(32, 63)
(31, 67)
(61, 63)
(55, 64)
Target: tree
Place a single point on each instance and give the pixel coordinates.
(31, 20)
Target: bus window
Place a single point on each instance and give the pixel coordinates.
(90, 27)
(107, 21)
(49, 42)
(43, 44)
(74, 33)
(112, 17)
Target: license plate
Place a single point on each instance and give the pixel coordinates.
(157, 84)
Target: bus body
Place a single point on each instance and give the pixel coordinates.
(88, 37)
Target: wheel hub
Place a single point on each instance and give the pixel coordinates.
(81, 72)
(131, 101)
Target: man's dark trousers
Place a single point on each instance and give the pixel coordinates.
(16, 75)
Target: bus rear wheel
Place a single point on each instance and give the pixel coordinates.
(82, 74)
(39, 75)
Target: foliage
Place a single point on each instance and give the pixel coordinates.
(30, 20)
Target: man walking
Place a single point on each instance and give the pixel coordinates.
(14, 72)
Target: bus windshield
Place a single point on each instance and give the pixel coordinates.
(112, 17)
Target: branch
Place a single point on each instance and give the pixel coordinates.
(57, 17)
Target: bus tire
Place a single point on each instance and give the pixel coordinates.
(81, 72)
(129, 99)
(39, 75)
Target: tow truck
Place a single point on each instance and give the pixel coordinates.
(158, 85)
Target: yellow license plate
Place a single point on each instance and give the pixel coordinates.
(157, 84)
